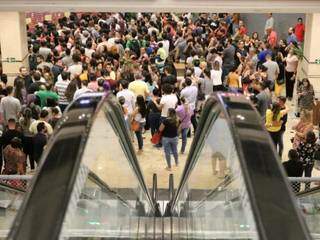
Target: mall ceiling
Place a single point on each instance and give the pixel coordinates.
(254, 6)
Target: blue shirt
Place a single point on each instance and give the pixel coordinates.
(292, 38)
(262, 55)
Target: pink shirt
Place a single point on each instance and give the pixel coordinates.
(292, 63)
(93, 86)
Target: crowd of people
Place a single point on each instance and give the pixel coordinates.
(136, 56)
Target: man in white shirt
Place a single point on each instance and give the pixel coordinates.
(84, 89)
(61, 87)
(128, 95)
(190, 93)
(76, 68)
(168, 100)
(10, 106)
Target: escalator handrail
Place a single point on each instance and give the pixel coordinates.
(308, 192)
(267, 227)
(7, 187)
(129, 149)
(256, 170)
(79, 127)
(95, 178)
(202, 128)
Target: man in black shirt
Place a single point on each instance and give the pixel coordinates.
(36, 84)
(39, 141)
(23, 76)
(294, 168)
(10, 133)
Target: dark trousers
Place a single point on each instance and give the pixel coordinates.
(28, 150)
(275, 138)
(218, 88)
(194, 121)
(63, 107)
(308, 173)
(280, 145)
(154, 122)
(289, 84)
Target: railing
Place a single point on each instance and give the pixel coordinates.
(17, 182)
(300, 184)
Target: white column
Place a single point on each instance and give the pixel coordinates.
(309, 67)
(13, 42)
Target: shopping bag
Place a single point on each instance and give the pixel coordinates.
(156, 138)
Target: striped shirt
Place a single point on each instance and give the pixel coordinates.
(61, 87)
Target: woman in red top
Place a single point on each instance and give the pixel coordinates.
(299, 30)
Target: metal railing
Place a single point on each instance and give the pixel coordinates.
(17, 182)
(300, 184)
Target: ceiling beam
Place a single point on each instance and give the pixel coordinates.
(242, 6)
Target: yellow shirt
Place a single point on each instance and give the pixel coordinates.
(84, 76)
(139, 87)
(273, 125)
(233, 80)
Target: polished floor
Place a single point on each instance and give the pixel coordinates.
(105, 156)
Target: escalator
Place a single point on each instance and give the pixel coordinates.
(309, 203)
(233, 186)
(11, 198)
(90, 186)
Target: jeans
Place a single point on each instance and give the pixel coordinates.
(184, 134)
(154, 122)
(139, 136)
(170, 145)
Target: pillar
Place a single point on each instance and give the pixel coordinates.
(311, 51)
(13, 42)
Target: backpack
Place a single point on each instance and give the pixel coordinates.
(135, 47)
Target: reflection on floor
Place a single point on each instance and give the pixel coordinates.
(152, 161)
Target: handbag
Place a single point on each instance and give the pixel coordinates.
(135, 126)
(156, 138)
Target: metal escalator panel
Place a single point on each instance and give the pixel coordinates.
(11, 196)
(309, 203)
(226, 213)
(120, 211)
(89, 184)
(232, 186)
